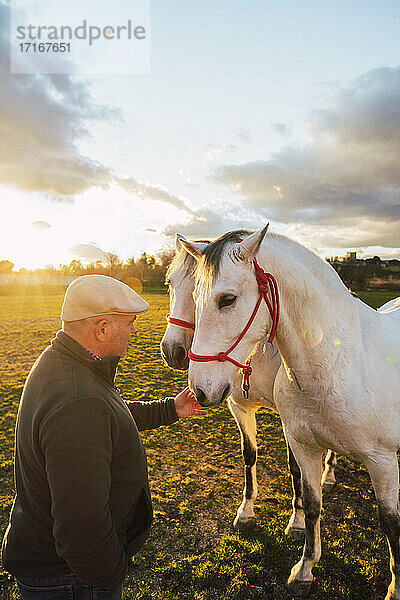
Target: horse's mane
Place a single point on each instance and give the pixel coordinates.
(209, 265)
(210, 262)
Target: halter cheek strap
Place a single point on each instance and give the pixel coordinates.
(179, 322)
(266, 283)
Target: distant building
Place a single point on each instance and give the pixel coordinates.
(350, 257)
(374, 272)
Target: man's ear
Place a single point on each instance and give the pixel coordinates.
(102, 329)
(248, 248)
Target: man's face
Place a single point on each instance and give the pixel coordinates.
(122, 328)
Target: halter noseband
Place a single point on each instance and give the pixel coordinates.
(179, 322)
(266, 282)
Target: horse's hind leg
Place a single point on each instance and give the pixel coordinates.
(328, 476)
(246, 421)
(296, 526)
(384, 474)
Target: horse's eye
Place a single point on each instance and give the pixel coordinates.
(226, 300)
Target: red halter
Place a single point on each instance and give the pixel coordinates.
(265, 281)
(179, 322)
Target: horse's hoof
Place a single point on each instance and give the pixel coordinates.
(295, 534)
(328, 488)
(301, 589)
(244, 525)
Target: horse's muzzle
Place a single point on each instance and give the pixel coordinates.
(175, 356)
(205, 401)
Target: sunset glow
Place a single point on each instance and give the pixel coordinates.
(232, 136)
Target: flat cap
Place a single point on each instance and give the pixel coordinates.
(95, 295)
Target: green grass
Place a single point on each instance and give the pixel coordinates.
(196, 477)
(377, 298)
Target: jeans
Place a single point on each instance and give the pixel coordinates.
(63, 587)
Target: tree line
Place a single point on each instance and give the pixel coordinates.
(147, 271)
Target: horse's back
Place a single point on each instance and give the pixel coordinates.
(391, 308)
(389, 319)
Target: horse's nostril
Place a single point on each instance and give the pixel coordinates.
(201, 397)
(225, 392)
(180, 354)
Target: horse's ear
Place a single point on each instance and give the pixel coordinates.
(192, 248)
(247, 249)
(178, 238)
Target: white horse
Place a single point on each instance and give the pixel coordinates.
(265, 364)
(339, 383)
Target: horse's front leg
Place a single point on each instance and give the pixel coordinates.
(246, 421)
(384, 472)
(328, 476)
(309, 460)
(296, 526)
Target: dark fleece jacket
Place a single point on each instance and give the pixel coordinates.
(83, 500)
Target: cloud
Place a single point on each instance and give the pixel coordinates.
(152, 192)
(393, 253)
(211, 222)
(348, 172)
(366, 112)
(363, 234)
(91, 252)
(41, 225)
(43, 118)
(212, 151)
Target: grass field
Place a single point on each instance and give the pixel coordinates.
(196, 477)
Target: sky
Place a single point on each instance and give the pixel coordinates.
(254, 112)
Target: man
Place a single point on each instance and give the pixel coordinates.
(83, 504)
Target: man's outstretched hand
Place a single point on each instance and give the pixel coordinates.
(186, 404)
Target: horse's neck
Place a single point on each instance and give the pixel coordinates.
(317, 312)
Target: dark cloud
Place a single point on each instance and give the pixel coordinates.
(43, 118)
(366, 113)
(90, 252)
(41, 225)
(347, 173)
